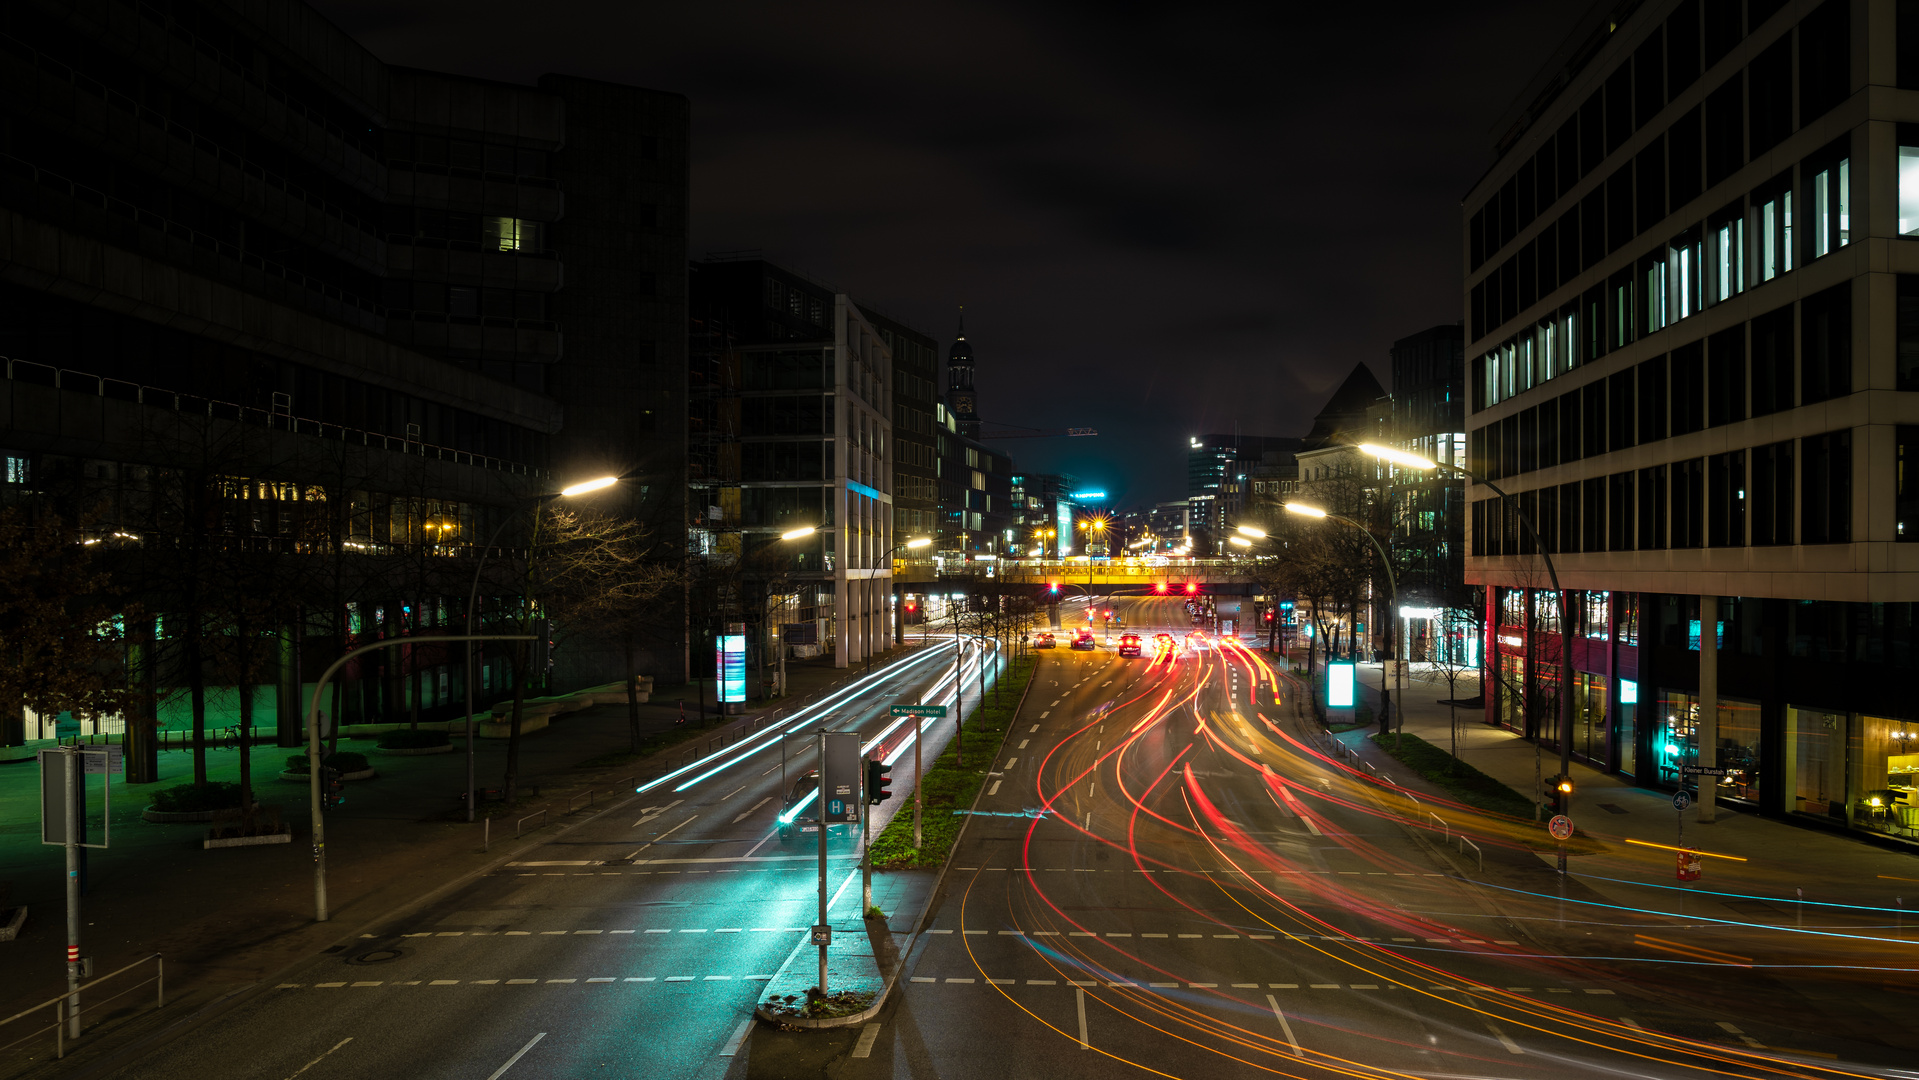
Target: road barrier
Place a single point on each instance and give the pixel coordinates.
(1465, 843)
(1444, 829)
(59, 1004)
(520, 823)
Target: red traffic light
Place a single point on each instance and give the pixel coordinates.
(1053, 587)
(1192, 587)
(1159, 587)
(1269, 616)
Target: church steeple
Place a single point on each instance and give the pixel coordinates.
(959, 383)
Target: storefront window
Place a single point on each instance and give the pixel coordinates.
(1815, 762)
(1738, 749)
(1512, 690)
(1885, 759)
(1675, 742)
(1546, 611)
(1512, 607)
(1628, 627)
(1627, 717)
(1589, 716)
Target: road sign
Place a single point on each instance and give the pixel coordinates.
(931, 712)
(54, 794)
(1688, 869)
(1703, 770)
(840, 776)
(823, 934)
(1681, 800)
(1560, 826)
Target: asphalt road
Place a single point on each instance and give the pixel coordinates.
(1199, 894)
(635, 945)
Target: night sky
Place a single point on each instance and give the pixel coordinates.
(1162, 219)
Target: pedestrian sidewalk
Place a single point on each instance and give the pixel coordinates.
(228, 917)
(1784, 863)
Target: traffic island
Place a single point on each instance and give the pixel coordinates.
(853, 982)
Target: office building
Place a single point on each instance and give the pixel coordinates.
(1692, 306)
(1216, 488)
(1429, 533)
(355, 314)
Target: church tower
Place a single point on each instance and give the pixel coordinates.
(959, 383)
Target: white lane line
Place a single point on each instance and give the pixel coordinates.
(1043, 716)
(1022, 744)
(1035, 727)
(321, 1058)
(655, 814)
(1010, 762)
(1083, 1044)
(755, 807)
(994, 790)
(734, 792)
(1511, 1046)
(501, 1071)
(739, 1036)
(869, 1035)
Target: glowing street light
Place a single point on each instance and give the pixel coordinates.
(919, 541)
(807, 530)
(589, 485)
(1305, 510)
(1248, 530)
(1239, 541)
(1398, 457)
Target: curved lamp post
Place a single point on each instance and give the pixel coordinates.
(1414, 461)
(1249, 534)
(1392, 587)
(473, 607)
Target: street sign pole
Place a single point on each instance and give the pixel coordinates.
(916, 781)
(817, 934)
(72, 770)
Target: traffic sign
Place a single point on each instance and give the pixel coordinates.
(1560, 826)
(931, 712)
(1681, 800)
(1703, 770)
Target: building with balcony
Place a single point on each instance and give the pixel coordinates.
(1689, 282)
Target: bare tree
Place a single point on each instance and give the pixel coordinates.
(60, 633)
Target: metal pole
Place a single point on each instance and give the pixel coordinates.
(916, 781)
(866, 849)
(313, 749)
(72, 768)
(820, 799)
(472, 616)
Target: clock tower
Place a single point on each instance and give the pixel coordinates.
(960, 399)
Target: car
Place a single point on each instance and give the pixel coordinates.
(1043, 641)
(1129, 644)
(801, 814)
(1083, 639)
(1164, 640)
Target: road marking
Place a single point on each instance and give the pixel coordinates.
(321, 1058)
(1083, 1044)
(1010, 762)
(923, 979)
(501, 1071)
(739, 1036)
(602, 980)
(959, 980)
(1035, 727)
(558, 862)
(1511, 1046)
(652, 814)
(869, 1035)
(750, 812)
(734, 792)
(521, 982)
(1043, 716)
(994, 790)
(1283, 1025)
(666, 834)
(444, 982)
(1022, 744)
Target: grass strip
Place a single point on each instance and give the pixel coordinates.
(1457, 779)
(948, 785)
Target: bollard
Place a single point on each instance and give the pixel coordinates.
(487, 833)
(1799, 915)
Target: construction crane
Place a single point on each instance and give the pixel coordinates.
(1036, 433)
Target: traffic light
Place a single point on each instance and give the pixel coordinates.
(877, 790)
(1269, 615)
(1160, 588)
(1053, 588)
(1109, 613)
(332, 789)
(1192, 588)
(1562, 792)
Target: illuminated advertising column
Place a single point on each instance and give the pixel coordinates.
(730, 661)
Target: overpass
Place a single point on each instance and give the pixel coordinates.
(1114, 577)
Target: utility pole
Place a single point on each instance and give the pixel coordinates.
(823, 933)
(71, 766)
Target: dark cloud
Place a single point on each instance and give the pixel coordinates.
(1163, 219)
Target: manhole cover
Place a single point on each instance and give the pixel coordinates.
(1611, 808)
(377, 956)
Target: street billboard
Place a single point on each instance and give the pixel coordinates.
(1339, 685)
(731, 662)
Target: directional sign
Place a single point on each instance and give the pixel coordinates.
(1681, 800)
(1560, 826)
(1703, 770)
(931, 712)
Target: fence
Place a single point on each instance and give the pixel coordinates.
(59, 1004)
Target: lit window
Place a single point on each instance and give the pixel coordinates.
(1831, 216)
(514, 234)
(1772, 234)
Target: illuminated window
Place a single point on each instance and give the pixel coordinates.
(1771, 225)
(1831, 208)
(514, 234)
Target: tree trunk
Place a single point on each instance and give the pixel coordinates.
(197, 694)
(632, 696)
(142, 743)
(520, 659)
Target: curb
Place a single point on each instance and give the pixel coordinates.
(919, 923)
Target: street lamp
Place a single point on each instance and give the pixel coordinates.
(1392, 587)
(473, 607)
(1414, 461)
(899, 624)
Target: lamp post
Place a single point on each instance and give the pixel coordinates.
(1245, 540)
(1392, 587)
(1414, 461)
(473, 607)
(914, 544)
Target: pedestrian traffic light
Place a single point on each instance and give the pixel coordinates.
(877, 789)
